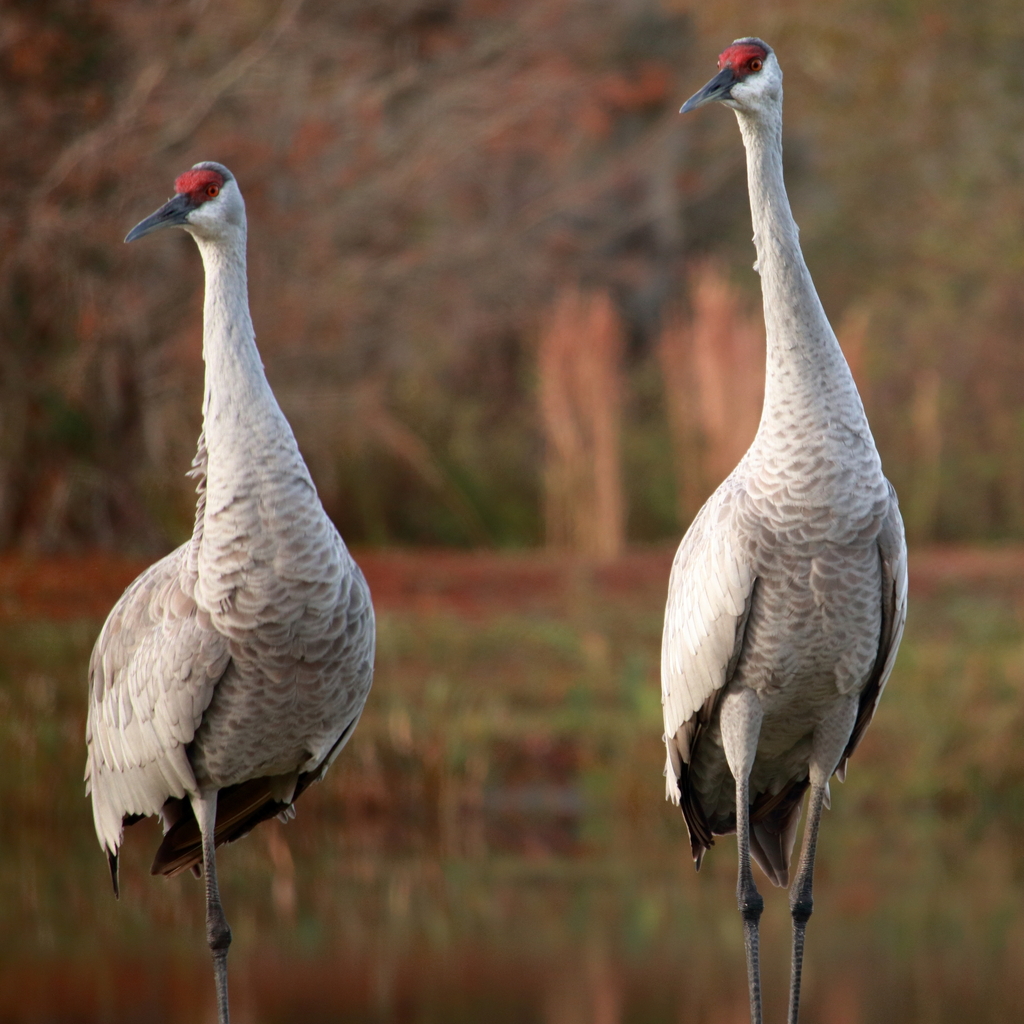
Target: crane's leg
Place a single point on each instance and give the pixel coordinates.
(218, 934)
(801, 902)
(741, 725)
(830, 739)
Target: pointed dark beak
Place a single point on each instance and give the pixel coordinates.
(717, 89)
(173, 214)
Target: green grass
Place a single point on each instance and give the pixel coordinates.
(502, 804)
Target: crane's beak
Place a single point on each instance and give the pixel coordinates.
(717, 89)
(173, 214)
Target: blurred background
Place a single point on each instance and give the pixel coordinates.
(503, 293)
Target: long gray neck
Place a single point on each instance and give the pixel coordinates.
(808, 383)
(236, 385)
(249, 442)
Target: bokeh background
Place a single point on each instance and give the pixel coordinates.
(503, 293)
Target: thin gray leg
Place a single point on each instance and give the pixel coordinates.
(218, 934)
(749, 900)
(801, 902)
(830, 739)
(741, 725)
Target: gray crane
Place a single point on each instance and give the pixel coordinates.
(788, 593)
(230, 674)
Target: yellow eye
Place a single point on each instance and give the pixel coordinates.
(212, 190)
(756, 64)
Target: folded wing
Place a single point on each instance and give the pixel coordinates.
(709, 595)
(892, 549)
(151, 677)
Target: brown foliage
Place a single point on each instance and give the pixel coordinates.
(580, 392)
(420, 174)
(416, 174)
(713, 367)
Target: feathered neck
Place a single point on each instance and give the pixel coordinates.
(234, 370)
(806, 373)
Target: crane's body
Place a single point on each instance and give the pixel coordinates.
(788, 593)
(804, 635)
(230, 674)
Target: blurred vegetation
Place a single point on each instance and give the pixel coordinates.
(423, 177)
(495, 838)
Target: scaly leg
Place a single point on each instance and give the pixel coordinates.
(741, 725)
(801, 902)
(218, 934)
(830, 739)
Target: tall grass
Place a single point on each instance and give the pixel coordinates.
(580, 395)
(713, 366)
(496, 834)
(422, 179)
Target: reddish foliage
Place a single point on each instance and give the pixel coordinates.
(469, 584)
(419, 178)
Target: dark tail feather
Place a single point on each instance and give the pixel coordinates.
(774, 820)
(128, 819)
(112, 862)
(239, 810)
(696, 820)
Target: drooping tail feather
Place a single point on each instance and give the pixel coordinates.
(697, 825)
(774, 819)
(240, 809)
(112, 862)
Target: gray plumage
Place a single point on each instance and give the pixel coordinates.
(238, 665)
(788, 594)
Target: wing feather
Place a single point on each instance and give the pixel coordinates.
(151, 676)
(709, 593)
(892, 550)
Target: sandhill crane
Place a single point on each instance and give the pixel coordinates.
(788, 594)
(231, 673)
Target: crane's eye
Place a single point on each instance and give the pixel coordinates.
(756, 64)
(212, 190)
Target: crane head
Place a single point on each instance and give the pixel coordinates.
(748, 75)
(205, 197)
